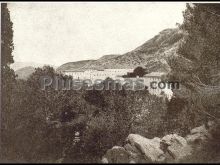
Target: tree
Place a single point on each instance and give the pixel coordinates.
(139, 71)
(6, 36)
(201, 46)
(8, 80)
(197, 67)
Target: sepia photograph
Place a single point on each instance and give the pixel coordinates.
(110, 82)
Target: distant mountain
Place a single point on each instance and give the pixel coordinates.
(74, 65)
(18, 65)
(152, 55)
(24, 73)
(25, 69)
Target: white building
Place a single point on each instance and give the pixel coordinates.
(152, 80)
(92, 74)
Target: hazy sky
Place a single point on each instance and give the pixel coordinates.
(56, 33)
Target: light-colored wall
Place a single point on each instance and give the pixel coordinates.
(116, 74)
(98, 74)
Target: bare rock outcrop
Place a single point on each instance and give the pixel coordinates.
(139, 149)
(198, 135)
(177, 148)
(171, 148)
(116, 155)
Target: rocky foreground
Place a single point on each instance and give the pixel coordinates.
(171, 148)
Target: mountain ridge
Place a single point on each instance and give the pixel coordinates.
(152, 55)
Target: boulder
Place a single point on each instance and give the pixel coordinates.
(198, 135)
(59, 160)
(177, 147)
(149, 148)
(116, 155)
(135, 156)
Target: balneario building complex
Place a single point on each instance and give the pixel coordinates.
(118, 74)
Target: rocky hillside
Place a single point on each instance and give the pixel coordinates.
(101, 62)
(152, 55)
